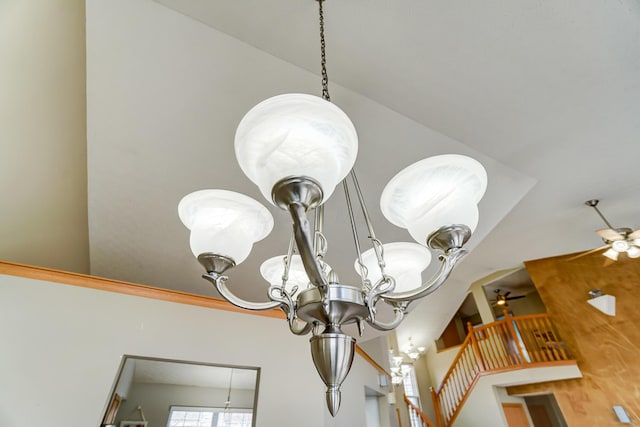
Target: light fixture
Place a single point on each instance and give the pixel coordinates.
(297, 148)
(619, 240)
(501, 300)
(603, 302)
(395, 363)
(412, 351)
(227, 403)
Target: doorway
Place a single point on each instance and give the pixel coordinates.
(545, 411)
(515, 415)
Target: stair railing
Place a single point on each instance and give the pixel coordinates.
(508, 344)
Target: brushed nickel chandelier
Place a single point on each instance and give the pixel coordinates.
(297, 148)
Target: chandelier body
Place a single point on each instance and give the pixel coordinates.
(297, 148)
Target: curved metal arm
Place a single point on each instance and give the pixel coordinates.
(298, 328)
(449, 260)
(382, 326)
(280, 294)
(302, 232)
(219, 282)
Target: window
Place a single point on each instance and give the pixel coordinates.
(411, 391)
(184, 416)
(234, 419)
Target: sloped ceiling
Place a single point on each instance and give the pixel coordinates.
(544, 94)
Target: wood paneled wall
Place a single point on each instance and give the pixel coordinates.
(607, 348)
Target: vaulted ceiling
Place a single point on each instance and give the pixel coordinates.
(544, 94)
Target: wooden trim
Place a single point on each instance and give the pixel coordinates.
(109, 285)
(453, 392)
(399, 417)
(144, 291)
(422, 415)
(372, 362)
(436, 406)
(442, 350)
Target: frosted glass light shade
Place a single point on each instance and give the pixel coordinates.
(452, 210)
(273, 269)
(296, 135)
(224, 222)
(435, 192)
(633, 252)
(405, 262)
(611, 254)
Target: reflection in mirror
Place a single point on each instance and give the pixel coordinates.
(151, 392)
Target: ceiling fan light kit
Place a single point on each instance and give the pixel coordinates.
(297, 148)
(619, 240)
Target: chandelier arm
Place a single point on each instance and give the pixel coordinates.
(399, 310)
(219, 282)
(449, 261)
(287, 261)
(298, 328)
(302, 232)
(354, 231)
(280, 294)
(377, 245)
(319, 241)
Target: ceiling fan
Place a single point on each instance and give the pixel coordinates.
(501, 299)
(617, 240)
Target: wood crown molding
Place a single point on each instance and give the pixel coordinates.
(144, 291)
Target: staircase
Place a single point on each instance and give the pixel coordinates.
(416, 414)
(508, 344)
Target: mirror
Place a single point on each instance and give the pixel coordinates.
(150, 392)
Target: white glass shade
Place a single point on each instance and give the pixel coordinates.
(224, 222)
(435, 192)
(611, 254)
(296, 135)
(405, 262)
(633, 252)
(273, 269)
(620, 245)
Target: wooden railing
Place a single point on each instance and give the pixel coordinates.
(416, 414)
(508, 344)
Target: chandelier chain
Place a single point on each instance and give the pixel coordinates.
(323, 56)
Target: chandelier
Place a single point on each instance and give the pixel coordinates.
(412, 351)
(297, 148)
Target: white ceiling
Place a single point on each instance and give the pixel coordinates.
(190, 374)
(544, 94)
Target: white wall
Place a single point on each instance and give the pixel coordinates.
(439, 362)
(62, 347)
(43, 178)
(483, 407)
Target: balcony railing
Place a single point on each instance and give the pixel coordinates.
(417, 414)
(508, 344)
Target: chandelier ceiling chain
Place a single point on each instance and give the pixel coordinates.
(297, 148)
(323, 55)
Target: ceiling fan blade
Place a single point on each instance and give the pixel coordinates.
(507, 294)
(635, 234)
(580, 255)
(516, 297)
(609, 234)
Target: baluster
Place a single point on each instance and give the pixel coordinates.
(436, 406)
(514, 339)
(541, 340)
(475, 347)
